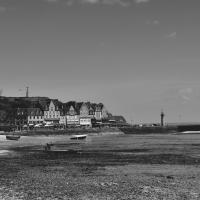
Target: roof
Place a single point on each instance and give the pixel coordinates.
(34, 112)
(59, 105)
(77, 106)
(118, 119)
(70, 104)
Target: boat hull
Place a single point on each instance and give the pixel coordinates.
(78, 137)
(12, 137)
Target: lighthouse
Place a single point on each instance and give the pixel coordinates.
(27, 92)
(162, 115)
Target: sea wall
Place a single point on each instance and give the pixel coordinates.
(68, 131)
(194, 127)
(148, 130)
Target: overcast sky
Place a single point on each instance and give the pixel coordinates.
(135, 56)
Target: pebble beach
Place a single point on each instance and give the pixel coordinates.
(107, 166)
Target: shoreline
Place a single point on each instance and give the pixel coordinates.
(70, 131)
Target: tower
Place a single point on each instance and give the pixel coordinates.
(27, 92)
(162, 118)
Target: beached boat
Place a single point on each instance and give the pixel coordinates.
(190, 132)
(12, 137)
(78, 137)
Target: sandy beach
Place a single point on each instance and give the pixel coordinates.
(113, 166)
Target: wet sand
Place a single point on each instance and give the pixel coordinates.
(103, 167)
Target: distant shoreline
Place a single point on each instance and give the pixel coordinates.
(63, 132)
(125, 130)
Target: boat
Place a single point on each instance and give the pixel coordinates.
(12, 137)
(78, 137)
(190, 132)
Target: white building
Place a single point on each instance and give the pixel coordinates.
(85, 117)
(54, 113)
(72, 117)
(35, 116)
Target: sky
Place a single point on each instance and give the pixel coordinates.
(138, 57)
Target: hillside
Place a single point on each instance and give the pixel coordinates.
(8, 105)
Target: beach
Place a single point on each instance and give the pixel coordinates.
(105, 166)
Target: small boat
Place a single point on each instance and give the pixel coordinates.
(78, 137)
(190, 132)
(12, 137)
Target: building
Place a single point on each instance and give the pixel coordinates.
(2, 115)
(35, 116)
(104, 112)
(101, 113)
(21, 118)
(72, 115)
(52, 112)
(98, 113)
(117, 121)
(63, 118)
(21, 111)
(85, 117)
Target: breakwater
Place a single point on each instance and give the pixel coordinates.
(149, 130)
(192, 127)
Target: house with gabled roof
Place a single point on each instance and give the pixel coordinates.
(35, 116)
(105, 113)
(98, 113)
(91, 111)
(117, 120)
(72, 114)
(101, 113)
(54, 113)
(21, 117)
(85, 118)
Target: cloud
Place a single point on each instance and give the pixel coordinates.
(69, 3)
(172, 35)
(123, 3)
(2, 9)
(90, 1)
(185, 94)
(52, 1)
(153, 22)
(141, 1)
(119, 2)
